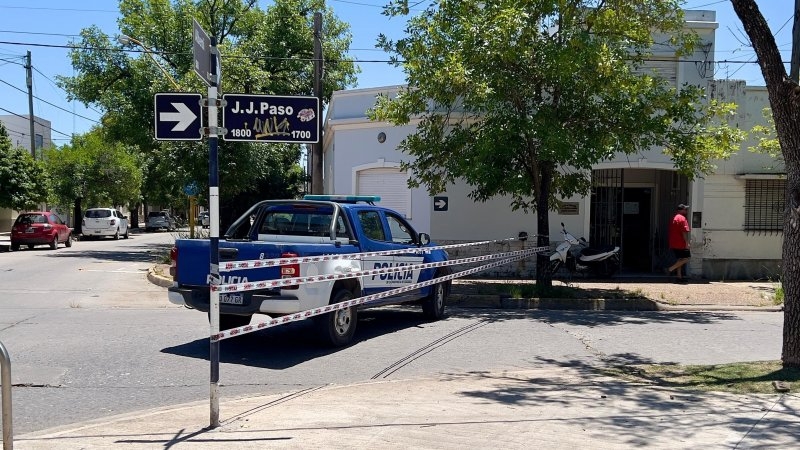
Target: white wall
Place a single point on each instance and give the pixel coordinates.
(19, 130)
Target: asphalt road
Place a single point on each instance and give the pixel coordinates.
(89, 337)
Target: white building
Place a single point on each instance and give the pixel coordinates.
(735, 212)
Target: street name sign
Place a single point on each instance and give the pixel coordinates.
(201, 50)
(179, 116)
(270, 118)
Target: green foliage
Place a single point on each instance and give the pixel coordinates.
(23, 180)
(767, 138)
(264, 50)
(102, 172)
(522, 98)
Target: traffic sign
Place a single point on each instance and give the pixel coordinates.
(201, 50)
(270, 118)
(179, 116)
(191, 189)
(440, 203)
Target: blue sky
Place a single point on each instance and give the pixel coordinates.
(42, 26)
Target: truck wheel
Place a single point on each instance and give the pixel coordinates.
(337, 328)
(228, 321)
(433, 305)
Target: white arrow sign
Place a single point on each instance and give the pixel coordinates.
(184, 116)
(440, 204)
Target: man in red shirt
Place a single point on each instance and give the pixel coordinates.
(679, 241)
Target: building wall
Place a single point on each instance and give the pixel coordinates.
(721, 248)
(18, 128)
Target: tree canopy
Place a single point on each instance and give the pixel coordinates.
(523, 97)
(23, 180)
(264, 51)
(100, 172)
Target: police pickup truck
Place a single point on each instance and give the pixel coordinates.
(317, 225)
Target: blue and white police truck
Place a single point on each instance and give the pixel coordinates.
(317, 225)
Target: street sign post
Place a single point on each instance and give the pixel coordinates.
(270, 118)
(179, 116)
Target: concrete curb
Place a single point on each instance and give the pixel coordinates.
(158, 280)
(553, 304)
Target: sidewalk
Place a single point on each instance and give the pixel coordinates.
(562, 408)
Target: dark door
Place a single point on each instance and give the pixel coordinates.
(636, 233)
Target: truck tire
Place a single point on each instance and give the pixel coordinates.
(433, 305)
(337, 328)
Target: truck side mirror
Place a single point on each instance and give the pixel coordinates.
(424, 239)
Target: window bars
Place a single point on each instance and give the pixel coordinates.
(764, 205)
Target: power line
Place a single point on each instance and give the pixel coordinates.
(32, 8)
(39, 33)
(308, 59)
(51, 104)
(36, 121)
(59, 87)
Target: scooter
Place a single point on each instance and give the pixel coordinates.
(578, 257)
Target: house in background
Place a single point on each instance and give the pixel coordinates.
(736, 212)
(19, 131)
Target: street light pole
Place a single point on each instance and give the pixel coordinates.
(127, 40)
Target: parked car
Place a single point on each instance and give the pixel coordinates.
(204, 219)
(98, 222)
(40, 228)
(157, 220)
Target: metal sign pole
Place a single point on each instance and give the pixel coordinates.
(213, 204)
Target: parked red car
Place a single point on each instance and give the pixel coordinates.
(40, 228)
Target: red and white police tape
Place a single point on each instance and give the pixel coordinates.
(303, 315)
(276, 283)
(261, 263)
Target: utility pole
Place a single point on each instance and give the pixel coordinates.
(794, 72)
(316, 149)
(29, 82)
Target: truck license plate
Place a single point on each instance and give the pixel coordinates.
(231, 299)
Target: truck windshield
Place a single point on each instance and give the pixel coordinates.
(301, 221)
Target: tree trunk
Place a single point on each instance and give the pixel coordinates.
(134, 222)
(544, 279)
(77, 217)
(783, 99)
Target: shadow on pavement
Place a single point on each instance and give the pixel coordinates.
(151, 253)
(288, 345)
(636, 412)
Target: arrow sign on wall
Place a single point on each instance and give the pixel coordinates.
(178, 116)
(440, 203)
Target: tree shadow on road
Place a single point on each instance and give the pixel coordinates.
(598, 318)
(150, 253)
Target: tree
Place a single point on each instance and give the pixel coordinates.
(92, 170)
(784, 100)
(767, 139)
(521, 98)
(265, 51)
(23, 180)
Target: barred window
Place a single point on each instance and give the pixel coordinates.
(764, 203)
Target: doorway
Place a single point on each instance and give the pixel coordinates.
(636, 230)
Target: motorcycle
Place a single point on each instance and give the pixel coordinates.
(578, 257)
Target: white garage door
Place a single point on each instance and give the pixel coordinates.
(388, 183)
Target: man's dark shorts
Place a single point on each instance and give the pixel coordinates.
(681, 253)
